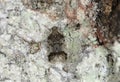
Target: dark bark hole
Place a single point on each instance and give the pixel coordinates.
(77, 26)
(110, 59)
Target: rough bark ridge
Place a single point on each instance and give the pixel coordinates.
(108, 22)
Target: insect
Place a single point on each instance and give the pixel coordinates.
(56, 41)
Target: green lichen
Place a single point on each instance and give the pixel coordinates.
(73, 43)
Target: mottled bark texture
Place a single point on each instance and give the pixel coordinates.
(59, 40)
